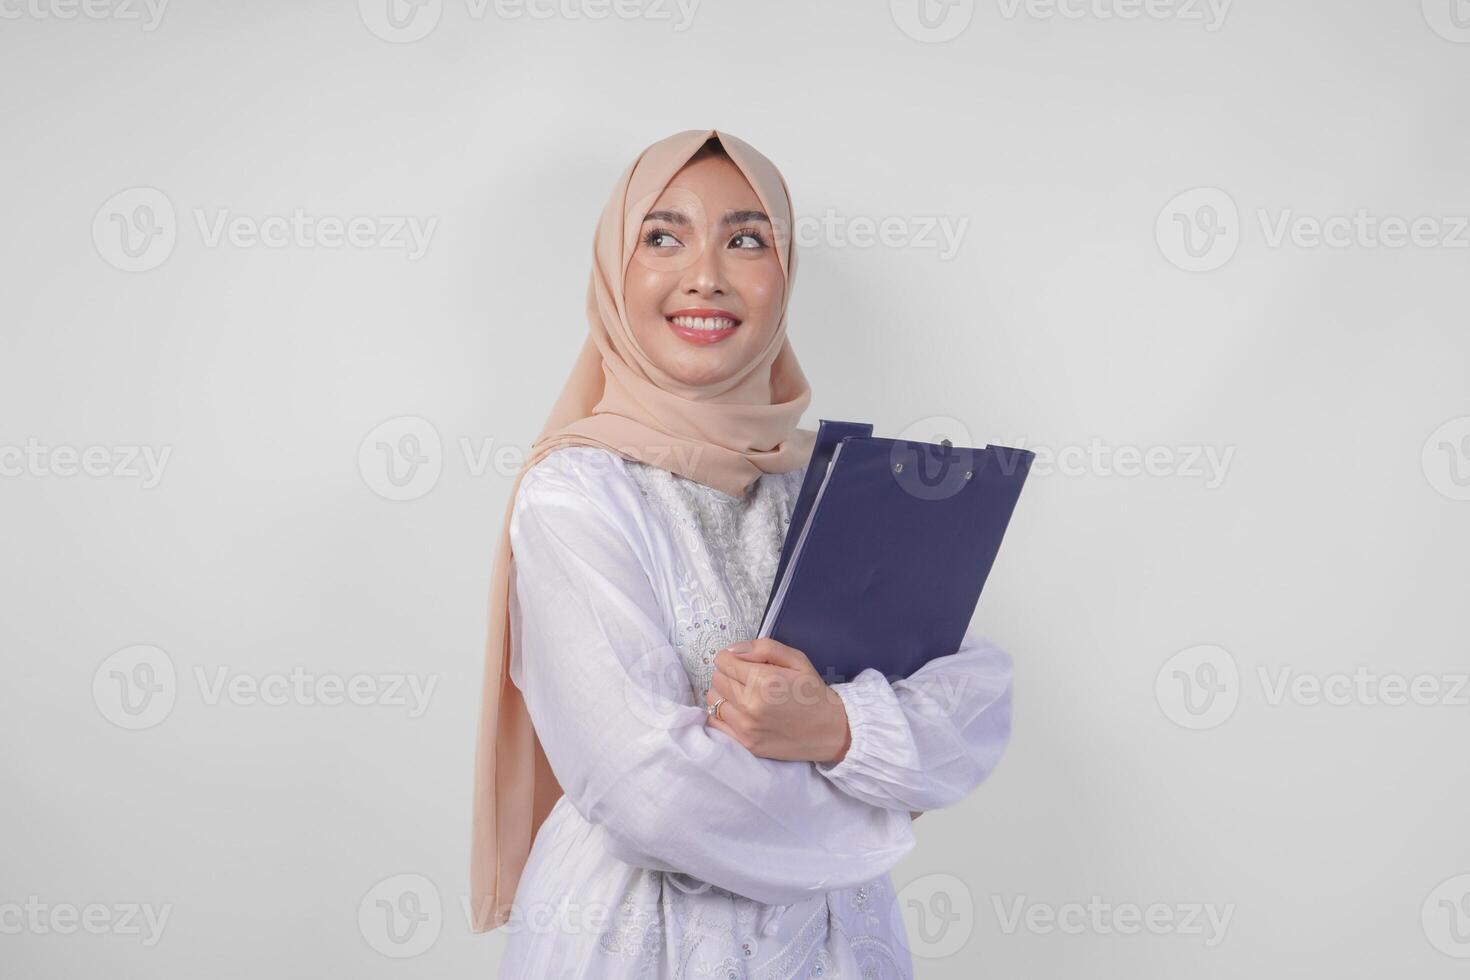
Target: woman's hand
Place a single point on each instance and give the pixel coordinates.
(776, 704)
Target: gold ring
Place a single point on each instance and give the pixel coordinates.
(714, 710)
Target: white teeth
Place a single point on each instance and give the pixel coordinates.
(704, 323)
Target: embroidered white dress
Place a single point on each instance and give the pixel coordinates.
(675, 852)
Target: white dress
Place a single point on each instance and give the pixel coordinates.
(675, 852)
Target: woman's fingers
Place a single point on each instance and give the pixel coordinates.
(721, 725)
(767, 650)
(722, 685)
(733, 666)
(732, 723)
(762, 651)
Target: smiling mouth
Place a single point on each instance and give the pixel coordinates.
(703, 326)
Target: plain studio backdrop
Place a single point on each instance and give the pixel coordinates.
(288, 288)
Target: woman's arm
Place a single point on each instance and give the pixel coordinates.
(924, 742)
(617, 717)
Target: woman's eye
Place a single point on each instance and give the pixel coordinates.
(658, 238)
(748, 239)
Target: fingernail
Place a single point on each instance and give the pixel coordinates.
(742, 647)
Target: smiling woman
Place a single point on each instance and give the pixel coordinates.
(656, 796)
(704, 296)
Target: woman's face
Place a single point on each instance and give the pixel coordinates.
(704, 288)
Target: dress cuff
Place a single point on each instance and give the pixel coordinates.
(880, 732)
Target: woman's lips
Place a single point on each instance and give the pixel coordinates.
(703, 326)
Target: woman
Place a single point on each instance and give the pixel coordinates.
(701, 806)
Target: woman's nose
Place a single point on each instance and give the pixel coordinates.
(707, 273)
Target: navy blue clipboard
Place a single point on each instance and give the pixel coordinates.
(889, 547)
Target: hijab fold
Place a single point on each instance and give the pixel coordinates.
(724, 435)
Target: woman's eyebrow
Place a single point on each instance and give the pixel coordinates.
(672, 217)
(741, 217)
(675, 217)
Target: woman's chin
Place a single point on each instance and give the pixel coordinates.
(696, 364)
(699, 367)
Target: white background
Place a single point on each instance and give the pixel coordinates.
(1067, 321)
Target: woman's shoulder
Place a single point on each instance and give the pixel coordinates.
(592, 473)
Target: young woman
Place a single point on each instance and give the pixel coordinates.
(701, 806)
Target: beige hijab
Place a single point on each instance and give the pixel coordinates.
(723, 435)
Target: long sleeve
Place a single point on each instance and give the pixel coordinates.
(618, 721)
(924, 742)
